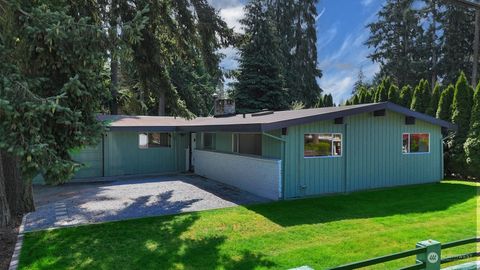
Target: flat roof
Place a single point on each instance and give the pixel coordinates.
(256, 122)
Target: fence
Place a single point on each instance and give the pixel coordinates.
(428, 256)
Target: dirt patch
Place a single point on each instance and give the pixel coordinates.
(8, 238)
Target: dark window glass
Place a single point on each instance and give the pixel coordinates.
(249, 144)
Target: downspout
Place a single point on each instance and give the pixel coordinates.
(103, 155)
(282, 156)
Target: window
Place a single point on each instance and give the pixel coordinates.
(322, 145)
(208, 140)
(153, 140)
(249, 144)
(415, 143)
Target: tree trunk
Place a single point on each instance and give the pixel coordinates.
(161, 103)
(434, 37)
(476, 48)
(114, 84)
(19, 192)
(5, 214)
(113, 56)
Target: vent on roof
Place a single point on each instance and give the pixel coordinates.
(264, 112)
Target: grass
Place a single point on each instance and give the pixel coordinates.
(319, 232)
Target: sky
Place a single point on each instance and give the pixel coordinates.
(341, 33)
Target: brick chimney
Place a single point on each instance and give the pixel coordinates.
(224, 107)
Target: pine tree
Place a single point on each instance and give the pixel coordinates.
(355, 100)
(472, 144)
(260, 82)
(434, 99)
(405, 98)
(461, 113)
(444, 110)
(421, 97)
(393, 37)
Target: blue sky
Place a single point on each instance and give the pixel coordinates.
(341, 33)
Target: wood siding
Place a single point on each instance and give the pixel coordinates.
(372, 156)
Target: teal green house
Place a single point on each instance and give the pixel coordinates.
(278, 155)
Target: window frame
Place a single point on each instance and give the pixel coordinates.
(333, 145)
(236, 143)
(408, 144)
(147, 146)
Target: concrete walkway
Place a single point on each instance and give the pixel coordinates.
(86, 203)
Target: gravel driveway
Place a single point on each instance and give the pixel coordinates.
(85, 203)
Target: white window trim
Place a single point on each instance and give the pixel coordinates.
(331, 156)
(415, 153)
(146, 147)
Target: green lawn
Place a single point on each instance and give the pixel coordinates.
(319, 232)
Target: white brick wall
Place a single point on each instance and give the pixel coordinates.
(256, 175)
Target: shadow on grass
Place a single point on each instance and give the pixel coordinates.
(148, 243)
(369, 204)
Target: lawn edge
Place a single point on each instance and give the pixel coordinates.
(18, 246)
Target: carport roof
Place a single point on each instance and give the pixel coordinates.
(256, 122)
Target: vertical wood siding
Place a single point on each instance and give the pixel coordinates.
(372, 156)
(124, 157)
(91, 157)
(310, 176)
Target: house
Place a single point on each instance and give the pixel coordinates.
(281, 154)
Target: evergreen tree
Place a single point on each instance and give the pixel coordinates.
(457, 41)
(461, 112)
(429, 42)
(444, 110)
(51, 72)
(472, 144)
(360, 83)
(421, 97)
(434, 99)
(328, 100)
(295, 24)
(260, 82)
(381, 94)
(355, 100)
(393, 95)
(405, 98)
(393, 37)
(369, 95)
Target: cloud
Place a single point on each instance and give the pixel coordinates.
(341, 67)
(230, 61)
(324, 38)
(232, 16)
(320, 14)
(366, 2)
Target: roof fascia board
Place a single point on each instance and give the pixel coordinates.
(424, 117)
(143, 128)
(321, 117)
(223, 128)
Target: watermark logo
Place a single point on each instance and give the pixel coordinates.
(432, 257)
